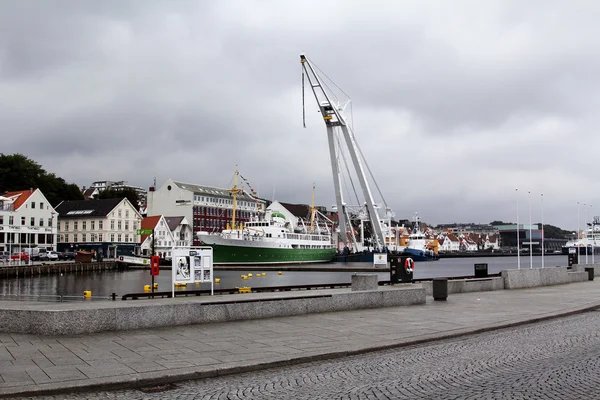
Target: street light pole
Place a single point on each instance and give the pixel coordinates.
(578, 233)
(518, 246)
(543, 249)
(593, 234)
(530, 234)
(585, 219)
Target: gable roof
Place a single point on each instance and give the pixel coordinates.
(149, 223)
(86, 208)
(297, 210)
(20, 197)
(173, 222)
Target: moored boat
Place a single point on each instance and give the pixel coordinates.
(270, 239)
(417, 247)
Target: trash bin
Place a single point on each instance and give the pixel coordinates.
(440, 289)
(590, 272)
(481, 270)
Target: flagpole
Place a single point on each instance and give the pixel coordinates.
(543, 249)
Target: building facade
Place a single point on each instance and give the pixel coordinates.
(27, 220)
(209, 209)
(103, 226)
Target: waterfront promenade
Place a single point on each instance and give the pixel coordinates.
(40, 364)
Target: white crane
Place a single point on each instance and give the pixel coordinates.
(333, 116)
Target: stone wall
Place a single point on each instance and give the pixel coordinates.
(468, 285)
(532, 277)
(73, 319)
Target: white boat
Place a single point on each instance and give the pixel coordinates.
(417, 247)
(270, 239)
(589, 240)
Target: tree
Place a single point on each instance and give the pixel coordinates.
(17, 172)
(130, 194)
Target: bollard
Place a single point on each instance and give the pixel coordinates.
(590, 272)
(440, 289)
(87, 293)
(217, 280)
(114, 296)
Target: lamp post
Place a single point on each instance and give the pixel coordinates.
(518, 246)
(578, 232)
(543, 249)
(530, 236)
(593, 234)
(585, 218)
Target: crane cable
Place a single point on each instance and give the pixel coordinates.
(303, 108)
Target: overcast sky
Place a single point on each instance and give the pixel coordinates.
(455, 104)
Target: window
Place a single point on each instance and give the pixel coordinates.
(126, 237)
(99, 237)
(119, 216)
(11, 220)
(126, 225)
(93, 225)
(22, 220)
(1, 220)
(126, 213)
(74, 225)
(119, 237)
(83, 237)
(32, 221)
(41, 221)
(112, 237)
(83, 225)
(119, 225)
(66, 225)
(49, 221)
(32, 205)
(100, 225)
(41, 206)
(112, 224)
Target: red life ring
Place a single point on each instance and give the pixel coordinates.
(409, 265)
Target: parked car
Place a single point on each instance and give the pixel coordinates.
(51, 256)
(4, 256)
(20, 256)
(68, 255)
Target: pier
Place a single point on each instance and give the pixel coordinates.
(21, 271)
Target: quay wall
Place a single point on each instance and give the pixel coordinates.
(21, 271)
(71, 319)
(468, 285)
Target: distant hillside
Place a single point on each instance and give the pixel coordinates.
(550, 231)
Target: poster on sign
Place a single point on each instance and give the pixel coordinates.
(192, 264)
(380, 260)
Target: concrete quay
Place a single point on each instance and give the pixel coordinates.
(32, 364)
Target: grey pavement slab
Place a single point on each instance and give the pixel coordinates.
(31, 364)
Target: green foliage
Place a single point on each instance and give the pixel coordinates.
(18, 172)
(131, 195)
(554, 232)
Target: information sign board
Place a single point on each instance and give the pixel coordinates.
(192, 264)
(380, 259)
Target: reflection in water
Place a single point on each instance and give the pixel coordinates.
(104, 283)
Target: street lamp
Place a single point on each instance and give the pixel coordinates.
(578, 232)
(530, 236)
(593, 234)
(518, 247)
(585, 219)
(543, 250)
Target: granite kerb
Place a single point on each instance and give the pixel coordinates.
(468, 285)
(74, 319)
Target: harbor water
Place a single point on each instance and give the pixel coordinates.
(104, 283)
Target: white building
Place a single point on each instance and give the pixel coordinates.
(26, 220)
(207, 208)
(98, 225)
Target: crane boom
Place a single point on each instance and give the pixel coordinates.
(334, 118)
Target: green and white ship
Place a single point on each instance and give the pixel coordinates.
(271, 239)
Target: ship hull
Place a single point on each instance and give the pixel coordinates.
(251, 255)
(420, 255)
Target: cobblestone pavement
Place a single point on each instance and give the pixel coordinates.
(558, 359)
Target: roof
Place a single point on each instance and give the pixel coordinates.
(20, 196)
(149, 223)
(86, 208)
(212, 191)
(298, 210)
(173, 222)
(89, 192)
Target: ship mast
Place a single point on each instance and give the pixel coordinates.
(234, 191)
(312, 211)
(333, 117)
